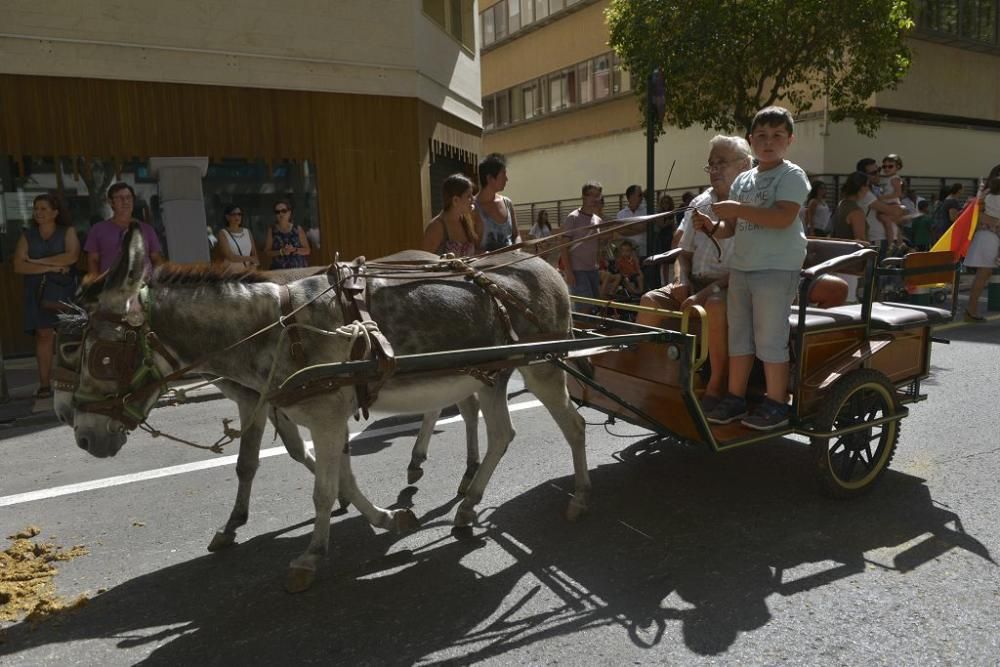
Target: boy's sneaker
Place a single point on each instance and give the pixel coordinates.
(708, 403)
(727, 410)
(768, 415)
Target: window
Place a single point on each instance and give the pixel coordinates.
(513, 16)
(541, 9)
(527, 11)
(602, 77)
(489, 113)
(556, 5)
(621, 80)
(456, 17)
(979, 20)
(516, 104)
(503, 109)
(532, 100)
(500, 21)
(938, 15)
(488, 32)
(561, 89)
(584, 81)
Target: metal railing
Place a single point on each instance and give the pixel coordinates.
(928, 187)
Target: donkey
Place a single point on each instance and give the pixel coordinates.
(181, 309)
(251, 433)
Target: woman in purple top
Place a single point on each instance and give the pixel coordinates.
(286, 244)
(451, 230)
(45, 255)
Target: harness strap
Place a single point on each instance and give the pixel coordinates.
(296, 348)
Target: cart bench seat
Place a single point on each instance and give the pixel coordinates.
(886, 316)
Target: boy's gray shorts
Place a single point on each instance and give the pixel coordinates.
(757, 307)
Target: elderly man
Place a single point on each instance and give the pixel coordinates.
(701, 274)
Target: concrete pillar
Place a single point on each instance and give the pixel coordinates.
(182, 203)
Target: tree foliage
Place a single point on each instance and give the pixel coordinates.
(723, 60)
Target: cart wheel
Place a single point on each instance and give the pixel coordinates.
(848, 465)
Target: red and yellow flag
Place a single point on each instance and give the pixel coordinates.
(959, 235)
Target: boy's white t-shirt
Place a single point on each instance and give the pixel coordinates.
(757, 248)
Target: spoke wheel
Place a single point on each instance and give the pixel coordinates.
(848, 464)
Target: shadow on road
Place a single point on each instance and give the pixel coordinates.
(674, 537)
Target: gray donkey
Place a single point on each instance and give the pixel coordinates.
(251, 435)
(184, 308)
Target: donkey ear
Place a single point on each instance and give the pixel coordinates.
(130, 267)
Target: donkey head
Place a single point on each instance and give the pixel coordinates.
(114, 363)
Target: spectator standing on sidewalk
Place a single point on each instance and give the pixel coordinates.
(985, 247)
(579, 259)
(104, 241)
(45, 255)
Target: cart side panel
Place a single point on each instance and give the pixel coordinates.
(818, 349)
(662, 402)
(905, 359)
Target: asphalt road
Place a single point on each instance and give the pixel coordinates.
(685, 558)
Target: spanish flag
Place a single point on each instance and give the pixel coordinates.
(959, 235)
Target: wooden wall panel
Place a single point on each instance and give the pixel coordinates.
(367, 150)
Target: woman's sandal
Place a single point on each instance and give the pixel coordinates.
(43, 392)
(969, 317)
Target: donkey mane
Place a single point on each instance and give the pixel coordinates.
(203, 274)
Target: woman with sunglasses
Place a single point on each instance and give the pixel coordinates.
(286, 244)
(236, 244)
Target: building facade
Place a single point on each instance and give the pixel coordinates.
(557, 103)
(352, 110)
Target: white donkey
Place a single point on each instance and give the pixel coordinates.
(181, 309)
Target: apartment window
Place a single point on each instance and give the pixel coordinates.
(513, 16)
(500, 21)
(561, 89)
(489, 113)
(533, 103)
(556, 5)
(584, 82)
(621, 80)
(503, 109)
(602, 77)
(516, 104)
(527, 11)
(489, 34)
(541, 9)
(979, 20)
(456, 17)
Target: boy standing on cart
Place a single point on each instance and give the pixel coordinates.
(765, 262)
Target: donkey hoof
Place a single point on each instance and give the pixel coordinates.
(575, 510)
(461, 532)
(404, 521)
(222, 541)
(299, 579)
(413, 475)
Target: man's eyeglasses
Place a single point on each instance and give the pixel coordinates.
(279, 211)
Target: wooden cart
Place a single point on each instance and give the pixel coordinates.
(854, 368)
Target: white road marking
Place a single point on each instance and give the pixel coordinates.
(80, 487)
